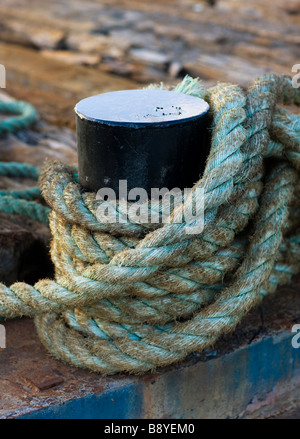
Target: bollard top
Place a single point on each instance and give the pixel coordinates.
(141, 108)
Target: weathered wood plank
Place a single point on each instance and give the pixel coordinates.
(253, 372)
(53, 86)
(253, 38)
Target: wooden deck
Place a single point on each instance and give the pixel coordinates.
(252, 373)
(58, 54)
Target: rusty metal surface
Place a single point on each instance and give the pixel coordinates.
(251, 373)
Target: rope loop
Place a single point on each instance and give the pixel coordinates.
(130, 297)
(26, 116)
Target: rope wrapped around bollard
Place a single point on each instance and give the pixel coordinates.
(131, 297)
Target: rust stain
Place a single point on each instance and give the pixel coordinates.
(41, 382)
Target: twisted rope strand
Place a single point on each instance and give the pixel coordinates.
(26, 116)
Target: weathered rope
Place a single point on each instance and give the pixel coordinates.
(26, 116)
(21, 201)
(131, 297)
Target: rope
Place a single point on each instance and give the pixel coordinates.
(26, 116)
(20, 201)
(130, 297)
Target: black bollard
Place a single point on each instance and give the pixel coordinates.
(150, 138)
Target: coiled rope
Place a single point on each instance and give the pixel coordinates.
(131, 297)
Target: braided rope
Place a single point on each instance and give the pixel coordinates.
(20, 201)
(26, 116)
(129, 297)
